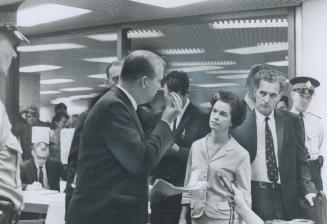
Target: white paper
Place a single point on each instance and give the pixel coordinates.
(40, 134)
(66, 138)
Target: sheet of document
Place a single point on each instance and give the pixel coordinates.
(66, 138)
(40, 134)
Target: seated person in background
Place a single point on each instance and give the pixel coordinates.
(40, 172)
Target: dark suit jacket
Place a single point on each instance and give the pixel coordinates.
(114, 162)
(293, 165)
(54, 169)
(193, 126)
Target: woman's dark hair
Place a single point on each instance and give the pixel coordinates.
(238, 107)
(58, 117)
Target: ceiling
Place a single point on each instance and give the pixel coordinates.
(191, 30)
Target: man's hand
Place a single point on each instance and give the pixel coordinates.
(35, 186)
(173, 107)
(309, 197)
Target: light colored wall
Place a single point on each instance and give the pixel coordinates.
(311, 59)
(29, 90)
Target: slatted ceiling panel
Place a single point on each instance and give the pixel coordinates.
(124, 11)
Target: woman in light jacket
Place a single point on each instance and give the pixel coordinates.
(218, 154)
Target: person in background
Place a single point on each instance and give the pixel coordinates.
(188, 127)
(274, 140)
(11, 200)
(40, 172)
(283, 103)
(23, 130)
(302, 94)
(115, 157)
(58, 122)
(113, 70)
(218, 154)
(60, 108)
(72, 121)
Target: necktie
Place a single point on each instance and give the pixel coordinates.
(301, 117)
(271, 163)
(41, 175)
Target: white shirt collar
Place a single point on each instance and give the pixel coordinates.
(249, 102)
(179, 117)
(129, 96)
(261, 117)
(297, 112)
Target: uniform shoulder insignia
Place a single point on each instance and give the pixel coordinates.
(314, 115)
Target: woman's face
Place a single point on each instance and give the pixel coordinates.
(61, 124)
(220, 117)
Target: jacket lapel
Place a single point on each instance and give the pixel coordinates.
(121, 95)
(279, 132)
(186, 117)
(33, 171)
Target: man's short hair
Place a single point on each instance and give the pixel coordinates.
(177, 81)
(114, 63)
(270, 75)
(140, 63)
(253, 70)
(60, 107)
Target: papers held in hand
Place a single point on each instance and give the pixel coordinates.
(167, 189)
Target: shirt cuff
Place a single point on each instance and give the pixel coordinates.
(169, 124)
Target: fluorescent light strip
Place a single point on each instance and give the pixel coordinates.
(102, 59)
(38, 68)
(98, 76)
(197, 63)
(49, 92)
(253, 23)
(228, 71)
(104, 36)
(239, 76)
(75, 89)
(55, 81)
(181, 51)
(140, 34)
(278, 63)
(48, 47)
(168, 3)
(47, 13)
(215, 85)
(198, 68)
(260, 48)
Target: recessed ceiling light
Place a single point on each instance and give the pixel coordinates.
(104, 36)
(181, 51)
(249, 23)
(198, 68)
(38, 68)
(48, 47)
(75, 89)
(102, 59)
(49, 92)
(77, 97)
(278, 63)
(239, 76)
(60, 100)
(197, 63)
(98, 76)
(55, 81)
(228, 71)
(47, 13)
(140, 34)
(168, 3)
(103, 86)
(260, 48)
(215, 85)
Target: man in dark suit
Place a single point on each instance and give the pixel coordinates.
(188, 127)
(40, 172)
(115, 157)
(274, 140)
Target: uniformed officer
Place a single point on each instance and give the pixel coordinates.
(302, 93)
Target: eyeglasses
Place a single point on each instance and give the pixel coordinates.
(41, 158)
(304, 91)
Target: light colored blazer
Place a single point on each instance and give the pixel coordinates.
(232, 161)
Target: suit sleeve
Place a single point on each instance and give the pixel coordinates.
(121, 137)
(303, 170)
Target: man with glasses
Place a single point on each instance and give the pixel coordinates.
(40, 172)
(302, 93)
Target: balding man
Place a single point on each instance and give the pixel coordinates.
(115, 156)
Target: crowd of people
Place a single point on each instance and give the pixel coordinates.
(270, 157)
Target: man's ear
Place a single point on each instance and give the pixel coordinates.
(144, 81)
